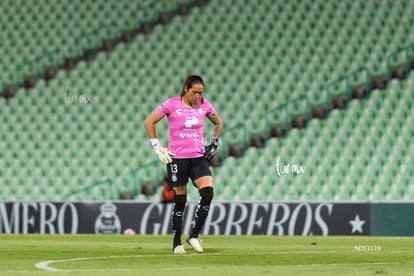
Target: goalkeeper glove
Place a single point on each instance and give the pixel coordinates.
(211, 149)
(163, 154)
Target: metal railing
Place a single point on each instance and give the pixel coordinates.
(155, 165)
(88, 189)
(404, 49)
(348, 86)
(285, 109)
(225, 144)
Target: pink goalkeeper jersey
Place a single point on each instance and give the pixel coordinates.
(186, 126)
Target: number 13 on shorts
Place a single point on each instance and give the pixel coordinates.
(173, 172)
(173, 168)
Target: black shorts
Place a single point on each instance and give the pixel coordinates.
(179, 170)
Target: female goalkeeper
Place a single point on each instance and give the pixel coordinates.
(186, 156)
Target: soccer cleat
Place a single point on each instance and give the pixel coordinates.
(195, 244)
(179, 249)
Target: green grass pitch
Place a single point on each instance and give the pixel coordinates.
(223, 255)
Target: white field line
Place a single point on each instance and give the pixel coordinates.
(45, 265)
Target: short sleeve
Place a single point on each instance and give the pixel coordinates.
(165, 108)
(210, 110)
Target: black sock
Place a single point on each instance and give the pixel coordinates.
(206, 195)
(177, 218)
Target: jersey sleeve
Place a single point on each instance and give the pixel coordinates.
(210, 110)
(165, 108)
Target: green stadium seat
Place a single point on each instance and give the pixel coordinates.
(260, 61)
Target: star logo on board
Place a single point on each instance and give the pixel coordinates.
(357, 224)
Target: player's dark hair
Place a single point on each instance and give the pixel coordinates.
(189, 81)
